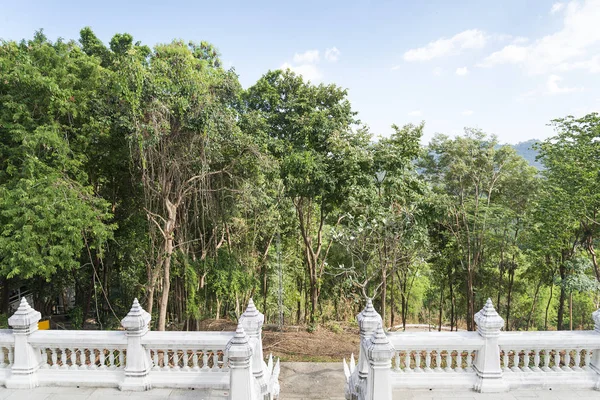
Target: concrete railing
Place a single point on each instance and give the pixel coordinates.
(487, 360)
(137, 359)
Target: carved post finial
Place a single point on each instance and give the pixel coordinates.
(487, 362)
(489, 323)
(239, 352)
(137, 319)
(27, 360)
(379, 353)
(138, 362)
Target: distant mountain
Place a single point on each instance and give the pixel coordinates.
(525, 150)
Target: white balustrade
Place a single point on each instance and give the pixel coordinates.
(134, 359)
(487, 360)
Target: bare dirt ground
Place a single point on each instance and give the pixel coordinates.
(295, 343)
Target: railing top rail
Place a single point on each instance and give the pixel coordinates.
(79, 338)
(191, 340)
(435, 340)
(545, 339)
(6, 337)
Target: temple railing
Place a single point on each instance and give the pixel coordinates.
(487, 360)
(138, 359)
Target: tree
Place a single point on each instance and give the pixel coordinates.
(321, 157)
(186, 145)
(467, 173)
(572, 162)
(50, 213)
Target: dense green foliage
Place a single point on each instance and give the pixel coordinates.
(128, 171)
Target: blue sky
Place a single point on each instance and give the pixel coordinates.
(506, 67)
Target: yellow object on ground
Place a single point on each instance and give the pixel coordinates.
(44, 325)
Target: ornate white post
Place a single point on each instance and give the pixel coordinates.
(239, 353)
(26, 359)
(252, 321)
(368, 321)
(595, 362)
(379, 353)
(138, 364)
(487, 362)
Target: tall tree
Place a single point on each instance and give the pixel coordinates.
(321, 157)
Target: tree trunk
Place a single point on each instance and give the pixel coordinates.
(168, 252)
(470, 300)
(561, 301)
(537, 290)
(383, 296)
(5, 295)
(548, 307)
(441, 308)
(511, 279)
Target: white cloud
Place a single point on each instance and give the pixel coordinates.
(308, 71)
(556, 7)
(395, 67)
(575, 43)
(592, 65)
(552, 86)
(332, 54)
(467, 112)
(308, 57)
(469, 39)
(416, 113)
(462, 71)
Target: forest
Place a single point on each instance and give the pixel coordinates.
(134, 171)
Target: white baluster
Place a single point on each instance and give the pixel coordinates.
(556, 361)
(121, 358)
(155, 360)
(505, 360)
(204, 360)
(44, 358)
(536, 360)
(438, 360)
(407, 367)
(517, 361)
(63, 358)
(54, 358)
(186, 360)
(427, 360)
(546, 366)
(458, 367)
(526, 360)
(166, 360)
(418, 361)
(567, 359)
(448, 360)
(73, 359)
(10, 356)
(397, 361)
(102, 358)
(586, 359)
(225, 362)
(111, 358)
(469, 361)
(195, 361)
(577, 366)
(2, 356)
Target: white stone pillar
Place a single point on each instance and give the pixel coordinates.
(138, 364)
(368, 322)
(595, 362)
(26, 359)
(239, 353)
(252, 321)
(379, 353)
(487, 362)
